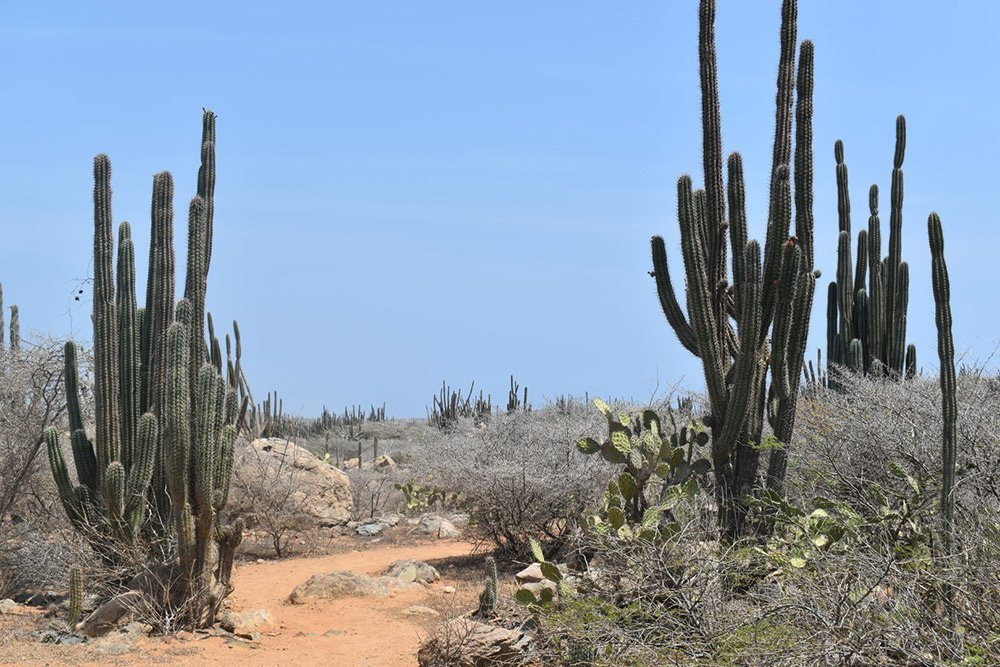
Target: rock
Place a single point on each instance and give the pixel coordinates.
(412, 571)
(448, 590)
(385, 463)
(536, 587)
(342, 585)
(533, 573)
(530, 574)
(371, 528)
(438, 526)
(7, 606)
(417, 610)
(243, 621)
(322, 494)
(463, 642)
(351, 463)
(392, 519)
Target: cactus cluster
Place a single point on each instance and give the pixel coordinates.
(15, 327)
(449, 406)
(757, 321)
(515, 399)
(158, 467)
(867, 304)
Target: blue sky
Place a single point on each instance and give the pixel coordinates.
(411, 192)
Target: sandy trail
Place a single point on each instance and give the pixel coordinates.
(367, 632)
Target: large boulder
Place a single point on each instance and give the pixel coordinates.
(316, 491)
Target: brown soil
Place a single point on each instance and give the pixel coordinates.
(367, 632)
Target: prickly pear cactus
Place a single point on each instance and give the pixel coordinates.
(658, 471)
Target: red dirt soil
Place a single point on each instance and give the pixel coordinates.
(367, 632)
(363, 632)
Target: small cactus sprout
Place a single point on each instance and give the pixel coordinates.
(488, 598)
(75, 596)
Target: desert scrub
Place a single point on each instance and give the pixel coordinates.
(519, 475)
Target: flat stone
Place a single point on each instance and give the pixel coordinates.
(7, 606)
(417, 610)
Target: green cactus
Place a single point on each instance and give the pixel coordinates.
(75, 597)
(488, 598)
(728, 324)
(885, 281)
(15, 329)
(158, 470)
(657, 472)
(949, 401)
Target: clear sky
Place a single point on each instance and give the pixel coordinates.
(416, 191)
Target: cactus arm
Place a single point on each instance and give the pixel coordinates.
(668, 300)
(700, 296)
(803, 177)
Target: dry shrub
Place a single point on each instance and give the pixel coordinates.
(861, 582)
(31, 399)
(520, 475)
(374, 491)
(270, 494)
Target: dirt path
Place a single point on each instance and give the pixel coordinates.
(367, 632)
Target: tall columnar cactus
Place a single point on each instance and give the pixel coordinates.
(157, 472)
(872, 298)
(15, 329)
(946, 355)
(728, 325)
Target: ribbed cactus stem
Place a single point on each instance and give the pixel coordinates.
(128, 343)
(949, 400)
(876, 292)
(895, 351)
(845, 295)
(855, 357)
(804, 222)
(75, 596)
(177, 419)
(106, 382)
(15, 329)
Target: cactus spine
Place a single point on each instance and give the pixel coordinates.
(882, 284)
(770, 295)
(166, 415)
(946, 355)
